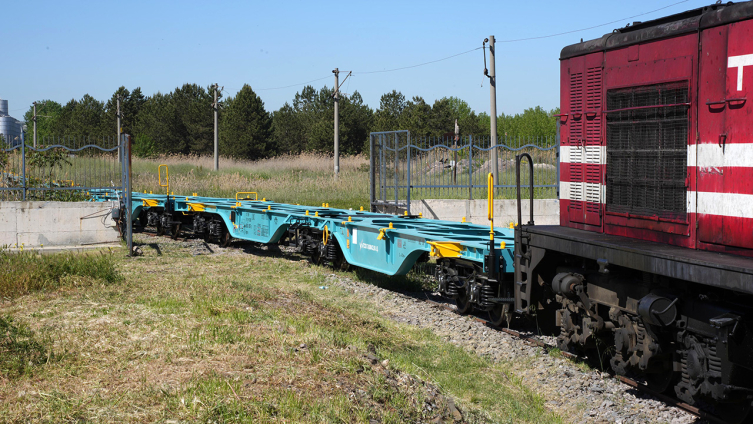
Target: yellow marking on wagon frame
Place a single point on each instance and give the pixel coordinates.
(196, 207)
(446, 249)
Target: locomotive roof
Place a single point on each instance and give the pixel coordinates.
(668, 26)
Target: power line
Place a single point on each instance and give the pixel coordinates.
(595, 26)
(420, 64)
(293, 85)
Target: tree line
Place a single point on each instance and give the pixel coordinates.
(181, 122)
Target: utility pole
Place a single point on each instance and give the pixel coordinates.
(35, 125)
(337, 121)
(117, 99)
(216, 148)
(493, 107)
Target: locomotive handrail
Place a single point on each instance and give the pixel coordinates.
(518, 158)
(490, 204)
(725, 101)
(647, 107)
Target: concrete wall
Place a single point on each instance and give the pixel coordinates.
(546, 211)
(50, 224)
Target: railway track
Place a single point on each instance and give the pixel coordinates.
(534, 342)
(625, 380)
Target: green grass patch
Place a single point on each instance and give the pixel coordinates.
(24, 272)
(21, 350)
(235, 337)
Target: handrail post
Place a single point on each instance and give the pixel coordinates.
(470, 167)
(557, 159)
(518, 159)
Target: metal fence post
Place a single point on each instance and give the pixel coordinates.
(470, 167)
(408, 172)
(23, 164)
(128, 208)
(396, 171)
(372, 170)
(382, 171)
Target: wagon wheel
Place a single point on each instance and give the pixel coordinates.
(225, 238)
(342, 264)
(500, 315)
(463, 302)
(160, 229)
(175, 231)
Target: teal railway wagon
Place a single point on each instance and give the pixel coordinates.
(474, 263)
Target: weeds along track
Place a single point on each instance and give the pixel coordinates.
(598, 397)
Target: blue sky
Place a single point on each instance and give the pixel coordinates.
(53, 50)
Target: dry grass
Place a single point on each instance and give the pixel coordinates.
(303, 179)
(238, 337)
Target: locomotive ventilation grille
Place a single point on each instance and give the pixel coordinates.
(647, 137)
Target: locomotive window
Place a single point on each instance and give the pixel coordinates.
(647, 142)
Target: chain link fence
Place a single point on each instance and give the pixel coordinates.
(404, 169)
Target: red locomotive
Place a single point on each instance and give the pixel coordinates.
(652, 264)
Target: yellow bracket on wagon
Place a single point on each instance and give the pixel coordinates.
(150, 202)
(446, 249)
(256, 195)
(167, 178)
(196, 207)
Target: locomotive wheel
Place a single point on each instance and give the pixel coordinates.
(225, 239)
(175, 231)
(661, 382)
(734, 413)
(500, 315)
(463, 303)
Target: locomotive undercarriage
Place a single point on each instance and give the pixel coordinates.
(678, 337)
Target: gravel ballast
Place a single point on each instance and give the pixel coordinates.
(572, 390)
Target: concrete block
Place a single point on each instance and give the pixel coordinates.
(8, 217)
(56, 224)
(475, 211)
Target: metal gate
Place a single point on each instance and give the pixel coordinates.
(66, 169)
(402, 169)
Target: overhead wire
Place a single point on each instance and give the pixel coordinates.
(478, 48)
(592, 27)
(416, 66)
(293, 85)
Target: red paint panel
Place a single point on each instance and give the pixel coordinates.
(711, 120)
(739, 115)
(739, 123)
(686, 45)
(738, 231)
(660, 236)
(565, 206)
(731, 179)
(664, 226)
(567, 175)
